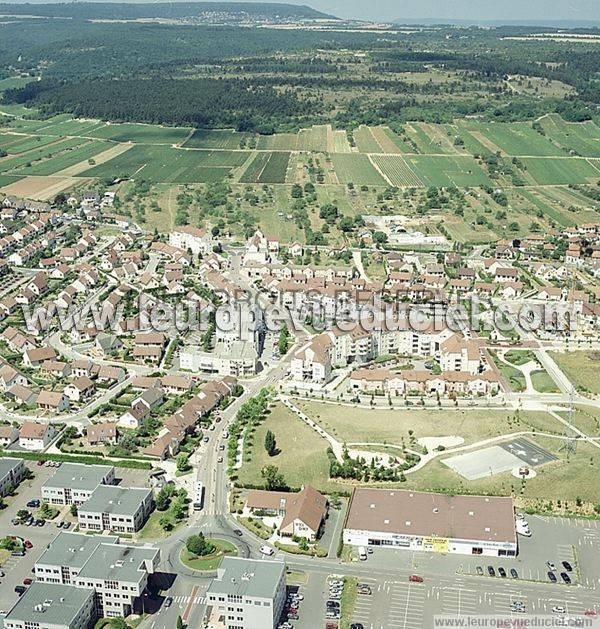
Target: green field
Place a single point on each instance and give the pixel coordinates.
(456, 171)
(365, 140)
(65, 159)
(142, 133)
(162, 164)
(252, 172)
(275, 168)
(313, 139)
(583, 138)
(10, 163)
(515, 138)
(14, 144)
(395, 168)
(581, 368)
(278, 142)
(357, 169)
(216, 139)
(563, 171)
(70, 126)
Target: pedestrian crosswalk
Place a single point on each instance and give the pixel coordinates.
(184, 600)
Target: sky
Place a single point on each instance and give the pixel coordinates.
(504, 10)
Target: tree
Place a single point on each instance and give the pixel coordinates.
(165, 522)
(270, 443)
(45, 510)
(274, 480)
(74, 510)
(118, 623)
(183, 462)
(198, 545)
(179, 622)
(284, 337)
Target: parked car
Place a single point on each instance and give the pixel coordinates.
(34, 503)
(552, 576)
(514, 574)
(559, 609)
(491, 571)
(551, 566)
(20, 589)
(238, 532)
(267, 550)
(502, 572)
(415, 578)
(479, 570)
(27, 544)
(565, 577)
(66, 525)
(27, 581)
(567, 566)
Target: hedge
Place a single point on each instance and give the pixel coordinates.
(86, 460)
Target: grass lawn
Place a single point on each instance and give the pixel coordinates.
(581, 368)
(302, 457)
(543, 383)
(519, 356)
(153, 530)
(353, 424)
(514, 377)
(586, 418)
(4, 555)
(209, 562)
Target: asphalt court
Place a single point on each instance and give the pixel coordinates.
(482, 463)
(530, 453)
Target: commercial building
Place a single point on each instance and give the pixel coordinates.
(115, 508)
(248, 593)
(471, 525)
(11, 473)
(117, 573)
(49, 606)
(73, 483)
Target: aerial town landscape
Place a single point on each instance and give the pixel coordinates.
(299, 319)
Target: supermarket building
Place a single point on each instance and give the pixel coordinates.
(468, 525)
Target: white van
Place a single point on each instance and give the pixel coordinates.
(362, 553)
(266, 550)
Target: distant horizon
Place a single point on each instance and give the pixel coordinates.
(575, 13)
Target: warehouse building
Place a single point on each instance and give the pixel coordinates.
(470, 525)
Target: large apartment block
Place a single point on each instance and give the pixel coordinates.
(49, 606)
(248, 593)
(117, 573)
(115, 508)
(74, 483)
(11, 474)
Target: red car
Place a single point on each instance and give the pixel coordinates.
(415, 578)
(27, 544)
(590, 612)
(40, 462)
(27, 581)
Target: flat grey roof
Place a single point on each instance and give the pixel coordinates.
(248, 577)
(57, 604)
(117, 563)
(73, 549)
(414, 513)
(115, 499)
(78, 476)
(7, 464)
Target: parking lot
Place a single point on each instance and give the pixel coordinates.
(19, 568)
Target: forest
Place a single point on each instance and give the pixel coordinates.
(269, 79)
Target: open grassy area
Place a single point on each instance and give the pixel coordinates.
(353, 424)
(209, 562)
(519, 356)
(302, 457)
(543, 383)
(581, 368)
(562, 480)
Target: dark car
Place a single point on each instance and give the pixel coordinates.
(567, 566)
(33, 503)
(293, 616)
(238, 532)
(479, 570)
(332, 604)
(502, 572)
(514, 574)
(565, 577)
(491, 571)
(552, 576)
(357, 625)
(168, 601)
(20, 589)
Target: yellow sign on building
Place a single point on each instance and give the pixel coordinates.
(437, 544)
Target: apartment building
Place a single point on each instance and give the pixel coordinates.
(50, 606)
(115, 508)
(248, 593)
(117, 573)
(12, 472)
(74, 483)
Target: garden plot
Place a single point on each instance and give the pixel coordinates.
(365, 140)
(561, 171)
(581, 137)
(514, 138)
(357, 169)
